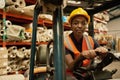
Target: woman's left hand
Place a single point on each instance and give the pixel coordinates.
(101, 50)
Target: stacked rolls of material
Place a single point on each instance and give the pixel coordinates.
(12, 51)
(21, 3)
(19, 7)
(7, 23)
(15, 6)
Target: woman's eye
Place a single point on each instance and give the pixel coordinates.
(75, 23)
(83, 23)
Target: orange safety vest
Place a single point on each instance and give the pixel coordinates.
(70, 45)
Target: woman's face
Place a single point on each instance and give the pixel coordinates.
(78, 25)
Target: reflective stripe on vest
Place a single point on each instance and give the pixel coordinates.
(71, 46)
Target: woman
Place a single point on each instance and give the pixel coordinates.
(76, 44)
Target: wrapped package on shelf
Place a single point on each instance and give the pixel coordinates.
(15, 6)
(28, 10)
(49, 32)
(14, 9)
(97, 25)
(105, 29)
(44, 35)
(15, 33)
(21, 3)
(40, 30)
(105, 16)
(45, 17)
(98, 15)
(97, 36)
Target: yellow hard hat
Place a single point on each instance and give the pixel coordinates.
(79, 11)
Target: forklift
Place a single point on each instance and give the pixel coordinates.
(54, 62)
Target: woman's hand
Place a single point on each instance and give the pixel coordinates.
(90, 54)
(101, 50)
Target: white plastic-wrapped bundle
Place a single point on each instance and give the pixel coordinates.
(105, 16)
(45, 16)
(28, 10)
(98, 15)
(10, 2)
(40, 30)
(44, 36)
(14, 9)
(15, 33)
(12, 77)
(21, 3)
(2, 4)
(98, 25)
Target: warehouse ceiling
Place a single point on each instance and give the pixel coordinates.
(92, 6)
(114, 12)
(95, 6)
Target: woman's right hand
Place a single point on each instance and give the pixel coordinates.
(89, 54)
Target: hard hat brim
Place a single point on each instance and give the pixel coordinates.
(86, 16)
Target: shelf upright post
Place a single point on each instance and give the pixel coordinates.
(33, 46)
(4, 26)
(58, 49)
(91, 26)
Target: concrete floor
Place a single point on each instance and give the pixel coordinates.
(114, 65)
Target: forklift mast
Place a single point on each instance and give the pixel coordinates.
(58, 48)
